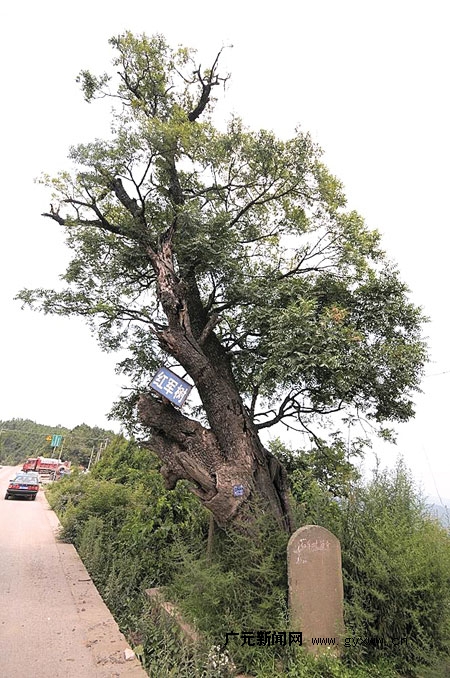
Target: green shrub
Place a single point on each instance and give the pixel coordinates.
(134, 534)
(125, 524)
(94, 548)
(396, 563)
(240, 587)
(395, 558)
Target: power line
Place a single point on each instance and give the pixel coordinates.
(436, 374)
(69, 436)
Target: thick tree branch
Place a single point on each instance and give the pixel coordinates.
(207, 83)
(101, 223)
(254, 399)
(129, 203)
(175, 190)
(260, 200)
(282, 413)
(210, 325)
(54, 214)
(101, 220)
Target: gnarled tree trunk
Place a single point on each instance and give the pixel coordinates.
(228, 454)
(193, 452)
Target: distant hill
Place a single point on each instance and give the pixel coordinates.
(440, 509)
(22, 438)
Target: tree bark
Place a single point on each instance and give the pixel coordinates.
(192, 452)
(228, 454)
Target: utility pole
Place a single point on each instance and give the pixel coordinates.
(90, 458)
(102, 447)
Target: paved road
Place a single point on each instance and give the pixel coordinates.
(53, 623)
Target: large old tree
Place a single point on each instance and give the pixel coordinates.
(227, 255)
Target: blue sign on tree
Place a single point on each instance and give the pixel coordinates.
(171, 386)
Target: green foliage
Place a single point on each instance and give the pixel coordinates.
(244, 578)
(329, 465)
(23, 438)
(84, 442)
(133, 534)
(396, 562)
(309, 309)
(396, 567)
(125, 524)
(395, 556)
(164, 651)
(319, 478)
(304, 665)
(242, 587)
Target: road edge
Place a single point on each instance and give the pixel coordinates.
(103, 637)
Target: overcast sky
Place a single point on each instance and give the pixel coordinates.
(369, 80)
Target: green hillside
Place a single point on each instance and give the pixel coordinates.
(22, 438)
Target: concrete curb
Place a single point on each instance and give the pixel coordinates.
(108, 646)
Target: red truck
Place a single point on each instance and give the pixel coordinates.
(46, 466)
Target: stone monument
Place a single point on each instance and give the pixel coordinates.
(316, 593)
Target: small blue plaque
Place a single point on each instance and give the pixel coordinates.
(238, 490)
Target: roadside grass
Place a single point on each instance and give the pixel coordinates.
(133, 535)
